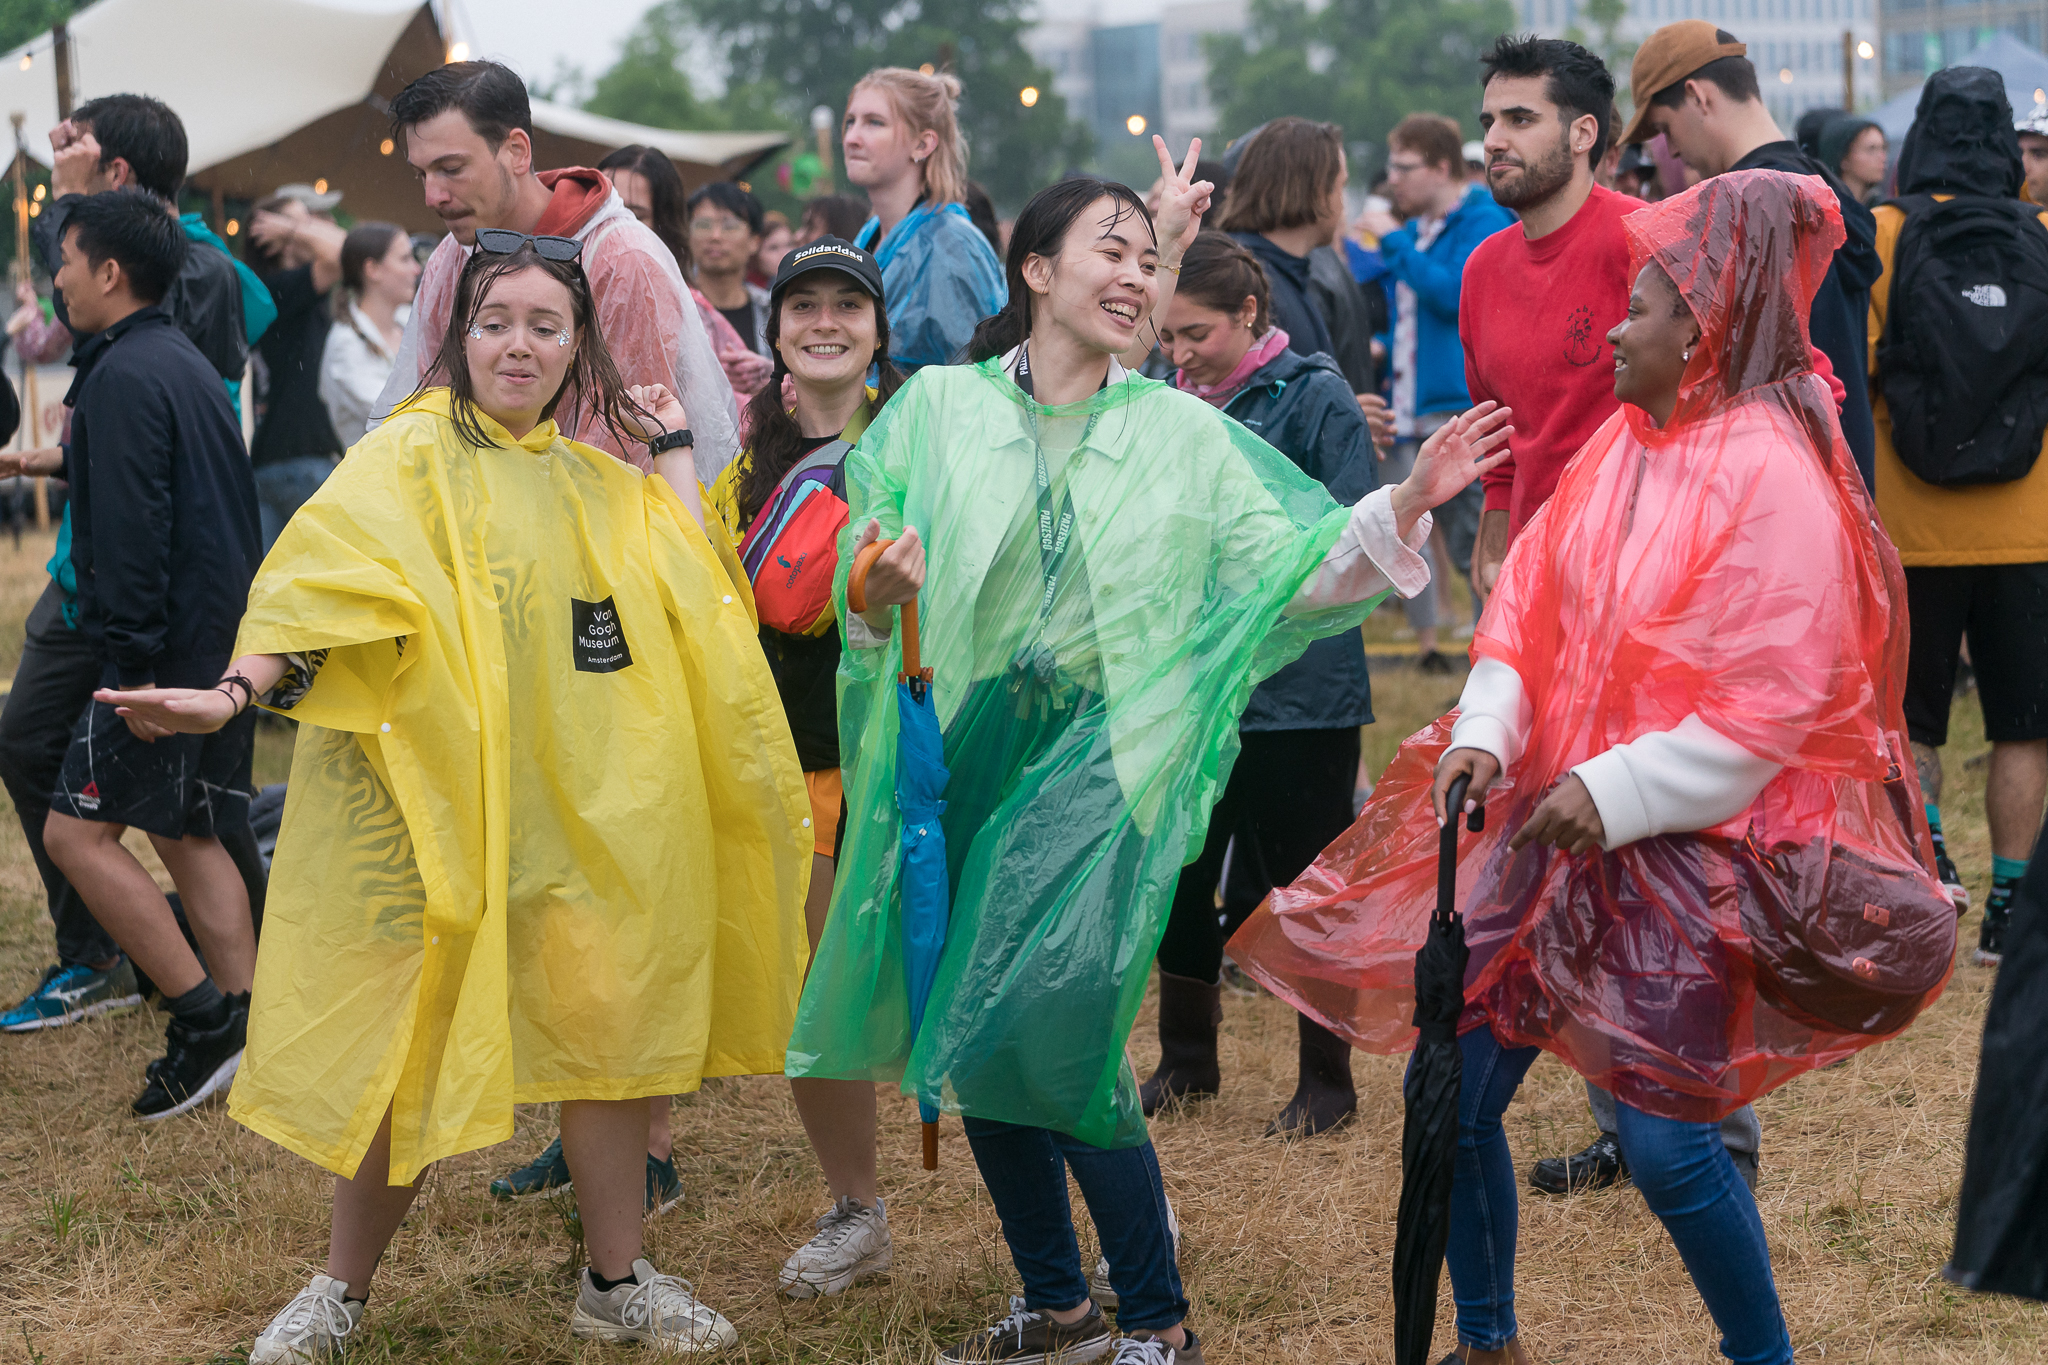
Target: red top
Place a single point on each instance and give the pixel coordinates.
(1534, 318)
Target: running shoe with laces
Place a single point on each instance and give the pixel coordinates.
(1144, 1347)
(1025, 1337)
(314, 1326)
(658, 1310)
(852, 1244)
(664, 1186)
(1951, 880)
(546, 1174)
(66, 995)
(196, 1063)
(1991, 937)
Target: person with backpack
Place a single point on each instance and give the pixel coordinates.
(1959, 347)
(784, 501)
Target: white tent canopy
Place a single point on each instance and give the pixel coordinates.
(272, 91)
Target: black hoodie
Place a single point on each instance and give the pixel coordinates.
(1962, 140)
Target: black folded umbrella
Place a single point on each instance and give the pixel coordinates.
(1429, 1128)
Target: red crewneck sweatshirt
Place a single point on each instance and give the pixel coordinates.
(1534, 317)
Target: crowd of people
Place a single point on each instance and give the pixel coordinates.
(612, 507)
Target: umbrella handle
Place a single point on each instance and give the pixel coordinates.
(931, 1146)
(857, 599)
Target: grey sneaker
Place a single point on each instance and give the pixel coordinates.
(1144, 1347)
(852, 1244)
(314, 1326)
(659, 1310)
(1029, 1338)
(1099, 1287)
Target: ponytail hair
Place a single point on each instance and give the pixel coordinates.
(1218, 272)
(774, 440)
(929, 104)
(1041, 230)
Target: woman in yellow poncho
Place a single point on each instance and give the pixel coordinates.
(546, 835)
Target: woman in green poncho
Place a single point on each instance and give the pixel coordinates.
(1112, 566)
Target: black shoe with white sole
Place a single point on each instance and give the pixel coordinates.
(1030, 1338)
(196, 1063)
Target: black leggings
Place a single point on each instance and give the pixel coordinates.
(1288, 797)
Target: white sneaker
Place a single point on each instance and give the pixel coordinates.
(314, 1326)
(852, 1244)
(659, 1310)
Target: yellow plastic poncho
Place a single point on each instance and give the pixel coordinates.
(546, 835)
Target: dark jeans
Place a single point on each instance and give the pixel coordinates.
(1025, 1170)
(53, 685)
(1685, 1175)
(1288, 796)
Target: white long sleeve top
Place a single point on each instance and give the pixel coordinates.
(1690, 777)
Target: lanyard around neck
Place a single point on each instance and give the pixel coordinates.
(1055, 534)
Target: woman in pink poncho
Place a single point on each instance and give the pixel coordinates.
(1705, 870)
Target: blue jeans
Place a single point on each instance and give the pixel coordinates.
(282, 486)
(1685, 1175)
(1025, 1170)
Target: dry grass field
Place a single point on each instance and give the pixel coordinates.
(121, 1242)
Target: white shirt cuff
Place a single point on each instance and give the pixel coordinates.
(1690, 777)
(1369, 558)
(860, 635)
(1493, 712)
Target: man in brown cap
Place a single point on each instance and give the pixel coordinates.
(1694, 83)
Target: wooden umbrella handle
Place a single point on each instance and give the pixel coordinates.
(857, 599)
(931, 1146)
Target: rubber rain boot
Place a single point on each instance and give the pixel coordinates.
(1189, 1012)
(1324, 1098)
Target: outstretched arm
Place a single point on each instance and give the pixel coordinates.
(153, 712)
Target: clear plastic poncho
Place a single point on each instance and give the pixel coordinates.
(941, 278)
(1730, 566)
(1088, 683)
(546, 836)
(650, 326)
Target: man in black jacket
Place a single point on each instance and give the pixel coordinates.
(1693, 84)
(164, 544)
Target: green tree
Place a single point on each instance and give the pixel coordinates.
(22, 20)
(1361, 64)
(796, 54)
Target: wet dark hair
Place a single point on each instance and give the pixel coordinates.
(489, 95)
(981, 211)
(146, 133)
(775, 442)
(665, 196)
(129, 226)
(1041, 230)
(1575, 80)
(592, 377)
(1217, 272)
(1734, 75)
(841, 216)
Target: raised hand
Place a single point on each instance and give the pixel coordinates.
(1182, 199)
(1460, 451)
(654, 410)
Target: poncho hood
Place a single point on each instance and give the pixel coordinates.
(1962, 139)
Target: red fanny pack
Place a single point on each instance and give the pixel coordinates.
(791, 551)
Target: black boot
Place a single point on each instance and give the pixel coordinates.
(1189, 1012)
(1324, 1098)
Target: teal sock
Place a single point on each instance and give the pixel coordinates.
(1934, 828)
(2005, 881)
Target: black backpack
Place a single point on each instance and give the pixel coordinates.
(1963, 362)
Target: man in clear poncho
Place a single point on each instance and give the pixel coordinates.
(1708, 870)
(468, 131)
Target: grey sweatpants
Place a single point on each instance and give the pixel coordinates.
(1741, 1131)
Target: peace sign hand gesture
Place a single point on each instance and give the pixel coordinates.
(1182, 199)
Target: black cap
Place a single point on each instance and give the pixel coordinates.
(829, 253)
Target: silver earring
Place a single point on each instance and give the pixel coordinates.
(476, 333)
(1688, 353)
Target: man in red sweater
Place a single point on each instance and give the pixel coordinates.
(1538, 299)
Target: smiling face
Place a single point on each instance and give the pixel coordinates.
(519, 348)
(1102, 284)
(1206, 343)
(467, 184)
(1528, 142)
(878, 145)
(827, 333)
(1651, 344)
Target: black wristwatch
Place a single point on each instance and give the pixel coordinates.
(671, 440)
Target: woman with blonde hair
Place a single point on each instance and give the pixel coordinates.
(903, 145)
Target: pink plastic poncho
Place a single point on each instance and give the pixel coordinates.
(643, 308)
(1728, 566)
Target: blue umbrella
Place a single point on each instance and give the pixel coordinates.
(920, 780)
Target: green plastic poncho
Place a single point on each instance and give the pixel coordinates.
(1107, 582)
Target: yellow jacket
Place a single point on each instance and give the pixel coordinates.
(1991, 523)
(546, 833)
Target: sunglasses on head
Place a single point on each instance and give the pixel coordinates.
(504, 241)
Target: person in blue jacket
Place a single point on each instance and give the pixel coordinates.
(1425, 263)
(903, 145)
(1289, 792)
(109, 143)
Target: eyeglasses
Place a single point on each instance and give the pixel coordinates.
(1394, 168)
(504, 241)
(705, 226)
